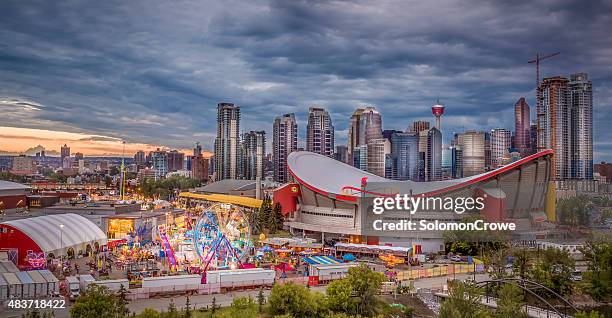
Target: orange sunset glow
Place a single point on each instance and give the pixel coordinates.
(18, 140)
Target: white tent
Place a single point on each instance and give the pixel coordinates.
(58, 232)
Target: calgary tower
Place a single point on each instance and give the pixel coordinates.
(437, 110)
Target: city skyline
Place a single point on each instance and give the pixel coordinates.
(159, 83)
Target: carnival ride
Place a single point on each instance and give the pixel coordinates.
(391, 260)
(168, 252)
(222, 237)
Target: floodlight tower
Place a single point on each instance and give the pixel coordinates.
(437, 110)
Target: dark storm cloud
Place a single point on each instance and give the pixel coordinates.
(154, 71)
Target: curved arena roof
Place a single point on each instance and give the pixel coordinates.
(47, 233)
(330, 177)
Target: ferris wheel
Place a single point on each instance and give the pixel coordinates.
(222, 236)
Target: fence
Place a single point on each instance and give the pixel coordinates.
(202, 289)
(438, 271)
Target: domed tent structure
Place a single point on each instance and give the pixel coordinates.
(48, 236)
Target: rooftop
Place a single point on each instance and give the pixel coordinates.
(9, 185)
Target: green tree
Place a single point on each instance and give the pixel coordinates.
(262, 215)
(187, 310)
(271, 222)
(243, 307)
(468, 242)
(463, 302)
(575, 211)
(294, 300)
(510, 302)
(149, 313)
(35, 313)
(598, 255)
(277, 217)
(261, 300)
(172, 312)
(7, 176)
(339, 294)
(496, 262)
(366, 284)
(592, 314)
(553, 270)
(213, 306)
(96, 302)
(163, 188)
(520, 264)
(122, 302)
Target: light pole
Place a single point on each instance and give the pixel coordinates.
(61, 241)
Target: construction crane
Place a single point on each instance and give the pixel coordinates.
(537, 63)
(539, 112)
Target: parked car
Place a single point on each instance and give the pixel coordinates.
(576, 277)
(456, 258)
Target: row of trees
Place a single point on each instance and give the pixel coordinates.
(575, 211)
(268, 218)
(7, 176)
(98, 302)
(553, 268)
(464, 301)
(598, 255)
(353, 296)
(164, 188)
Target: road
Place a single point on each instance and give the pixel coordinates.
(223, 300)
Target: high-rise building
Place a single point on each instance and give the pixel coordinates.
(500, 145)
(78, 156)
(284, 142)
(320, 132)
(405, 156)
(418, 126)
(447, 162)
(23, 165)
(253, 153)
(554, 124)
(422, 153)
(227, 143)
(581, 104)
(159, 162)
(360, 157)
(433, 157)
(354, 129)
(65, 152)
(522, 122)
(197, 149)
(472, 145)
(456, 162)
(199, 168)
(376, 154)
(341, 153)
(388, 133)
(488, 157)
(139, 158)
(370, 125)
(175, 160)
(533, 136)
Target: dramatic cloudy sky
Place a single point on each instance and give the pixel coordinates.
(152, 72)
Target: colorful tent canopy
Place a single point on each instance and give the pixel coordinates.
(326, 260)
(348, 257)
(284, 267)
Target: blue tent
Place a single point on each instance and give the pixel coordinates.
(349, 257)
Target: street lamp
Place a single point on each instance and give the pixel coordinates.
(61, 241)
